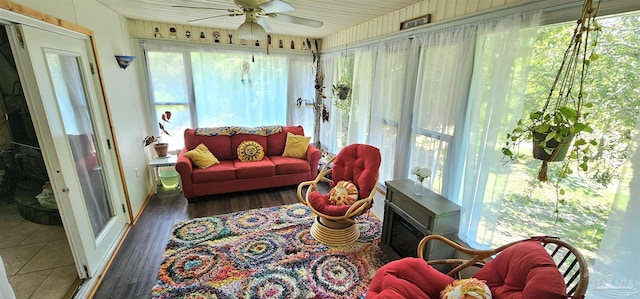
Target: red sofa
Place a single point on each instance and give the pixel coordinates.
(233, 175)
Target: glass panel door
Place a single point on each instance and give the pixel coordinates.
(76, 118)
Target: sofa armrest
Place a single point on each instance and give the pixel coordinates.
(184, 167)
(313, 156)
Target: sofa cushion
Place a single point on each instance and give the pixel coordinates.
(262, 168)
(296, 146)
(224, 171)
(238, 139)
(201, 157)
(524, 270)
(219, 146)
(276, 142)
(250, 151)
(287, 165)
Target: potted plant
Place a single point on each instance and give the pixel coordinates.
(162, 148)
(342, 91)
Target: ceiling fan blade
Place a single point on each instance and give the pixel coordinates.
(296, 20)
(264, 25)
(274, 6)
(202, 7)
(213, 17)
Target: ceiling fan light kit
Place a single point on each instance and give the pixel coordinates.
(255, 26)
(250, 29)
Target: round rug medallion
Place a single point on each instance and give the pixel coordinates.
(295, 214)
(275, 283)
(196, 264)
(241, 223)
(260, 249)
(198, 230)
(336, 276)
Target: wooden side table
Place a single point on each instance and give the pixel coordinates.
(158, 162)
(408, 218)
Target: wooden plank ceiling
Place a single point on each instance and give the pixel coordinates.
(336, 15)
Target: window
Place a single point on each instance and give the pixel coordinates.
(211, 88)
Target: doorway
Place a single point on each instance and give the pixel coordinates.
(33, 242)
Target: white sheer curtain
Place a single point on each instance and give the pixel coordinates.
(232, 90)
(616, 271)
(446, 60)
(387, 99)
(363, 66)
(300, 85)
(503, 50)
(331, 131)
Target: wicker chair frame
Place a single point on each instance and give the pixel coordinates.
(329, 229)
(569, 260)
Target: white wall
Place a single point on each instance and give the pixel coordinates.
(123, 87)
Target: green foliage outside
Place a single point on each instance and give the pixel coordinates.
(613, 87)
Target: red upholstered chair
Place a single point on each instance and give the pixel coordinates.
(335, 224)
(538, 267)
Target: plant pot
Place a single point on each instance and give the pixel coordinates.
(560, 149)
(162, 149)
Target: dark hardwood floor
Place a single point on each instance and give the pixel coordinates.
(134, 269)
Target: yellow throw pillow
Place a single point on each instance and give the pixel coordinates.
(296, 146)
(250, 151)
(201, 157)
(344, 193)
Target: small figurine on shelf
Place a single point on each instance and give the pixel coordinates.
(172, 33)
(230, 38)
(293, 45)
(216, 37)
(187, 34)
(202, 37)
(156, 33)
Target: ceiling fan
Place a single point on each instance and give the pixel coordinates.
(255, 26)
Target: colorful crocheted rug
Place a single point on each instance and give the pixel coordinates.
(266, 253)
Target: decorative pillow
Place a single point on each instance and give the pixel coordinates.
(469, 288)
(344, 193)
(250, 151)
(202, 157)
(296, 146)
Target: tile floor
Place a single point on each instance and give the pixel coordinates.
(37, 258)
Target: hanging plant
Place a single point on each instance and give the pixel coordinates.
(342, 91)
(557, 128)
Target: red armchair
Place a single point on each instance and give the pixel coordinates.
(334, 224)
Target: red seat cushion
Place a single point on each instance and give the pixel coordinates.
(322, 204)
(286, 165)
(257, 169)
(523, 271)
(407, 278)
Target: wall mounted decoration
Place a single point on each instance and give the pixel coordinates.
(124, 61)
(426, 19)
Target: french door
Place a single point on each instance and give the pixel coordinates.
(76, 142)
